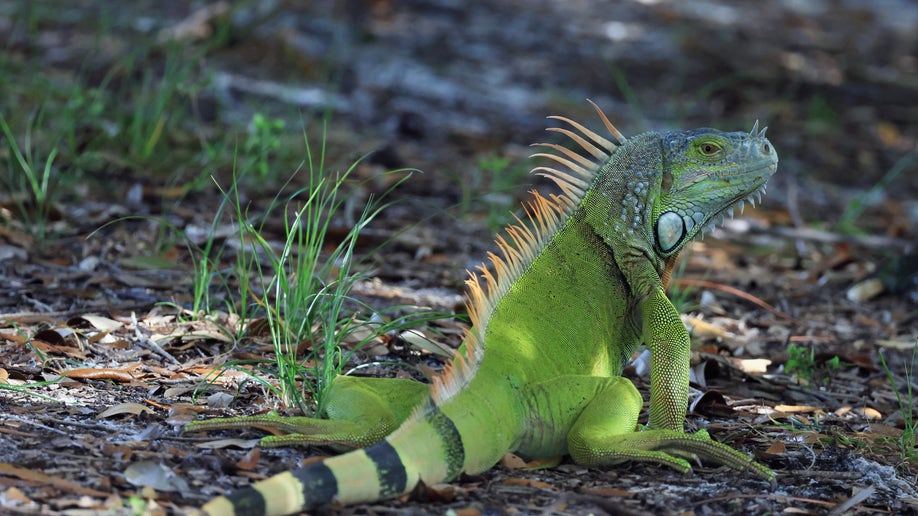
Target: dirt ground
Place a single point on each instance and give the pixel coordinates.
(827, 264)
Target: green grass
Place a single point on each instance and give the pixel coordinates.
(854, 211)
(299, 282)
(906, 402)
(30, 180)
(802, 363)
(136, 116)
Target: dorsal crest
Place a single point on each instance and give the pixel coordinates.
(521, 242)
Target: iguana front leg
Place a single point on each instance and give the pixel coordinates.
(670, 349)
(604, 435)
(360, 411)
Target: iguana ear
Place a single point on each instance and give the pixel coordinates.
(669, 231)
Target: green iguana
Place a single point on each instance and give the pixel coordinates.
(575, 290)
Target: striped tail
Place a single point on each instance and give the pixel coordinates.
(427, 447)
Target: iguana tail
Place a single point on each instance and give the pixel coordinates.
(428, 447)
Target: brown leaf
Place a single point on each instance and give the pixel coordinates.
(441, 492)
(776, 448)
(711, 404)
(41, 478)
(249, 461)
(102, 373)
(528, 482)
(512, 461)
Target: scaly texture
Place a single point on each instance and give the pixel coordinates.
(577, 286)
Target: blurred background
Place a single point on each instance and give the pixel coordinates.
(172, 91)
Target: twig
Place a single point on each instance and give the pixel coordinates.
(861, 495)
(148, 343)
(688, 282)
(819, 235)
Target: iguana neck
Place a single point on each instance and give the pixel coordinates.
(618, 206)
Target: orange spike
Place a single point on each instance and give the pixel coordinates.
(611, 128)
(567, 152)
(587, 146)
(522, 240)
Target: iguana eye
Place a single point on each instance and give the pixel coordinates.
(709, 149)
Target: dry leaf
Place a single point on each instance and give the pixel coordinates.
(776, 448)
(103, 373)
(512, 461)
(751, 365)
(528, 482)
(96, 321)
(125, 408)
(705, 330)
(249, 461)
(155, 475)
(421, 341)
(794, 409)
(14, 496)
(230, 443)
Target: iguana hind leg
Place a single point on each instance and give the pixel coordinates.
(604, 435)
(360, 412)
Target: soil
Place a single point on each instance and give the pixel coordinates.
(827, 264)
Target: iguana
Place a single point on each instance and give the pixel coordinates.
(573, 291)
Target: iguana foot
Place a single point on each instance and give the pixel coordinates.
(302, 431)
(604, 435)
(361, 411)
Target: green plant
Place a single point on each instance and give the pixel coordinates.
(29, 180)
(855, 208)
(906, 402)
(302, 288)
(27, 389)
(496, 175)
(801, 361)
(262, 142)
(822, 117)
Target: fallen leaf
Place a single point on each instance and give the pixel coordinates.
(155, 475)
(441, 492)
(125, 408)
(528, 482)
(41, 478)
(421, 341)
(793, 409)
(776, 448)
(249, 461)
(906, 343)
(102, 373)
(96, 321)
(15, 496)
(711, 404)
(227, 443)
(512, 461)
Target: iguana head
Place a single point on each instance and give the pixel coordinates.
(706, 173)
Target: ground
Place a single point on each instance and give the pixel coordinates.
(803, 310)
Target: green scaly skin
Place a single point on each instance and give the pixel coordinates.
(580, 288)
